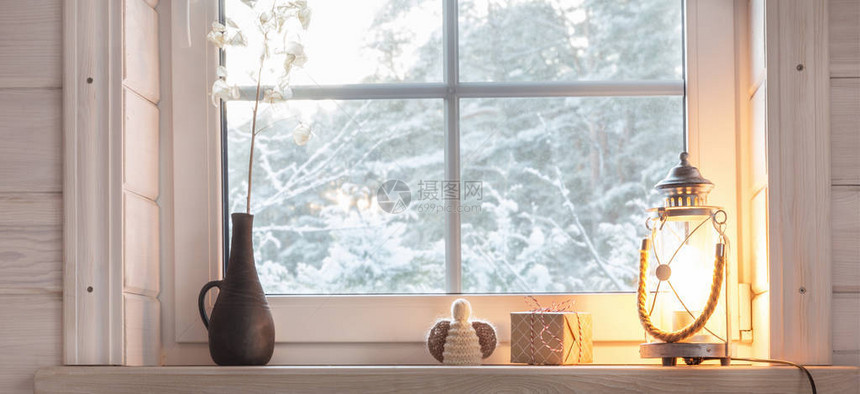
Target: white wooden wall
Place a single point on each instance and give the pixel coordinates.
(142, 327)
(844, 21)
(31, 240)
(31, 184)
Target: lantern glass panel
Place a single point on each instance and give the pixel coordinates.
(686, 243)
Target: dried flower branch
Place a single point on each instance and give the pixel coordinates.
(279, 40)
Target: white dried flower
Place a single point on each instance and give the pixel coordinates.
(295, 55)
(237, 39)
(272, 96)
(265, 17)
(219, 38)
(304, 15)
(301, 134)
(221, 72)
(217, 26)
(222, 91)
(281, 22)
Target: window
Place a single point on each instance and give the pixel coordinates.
(521, 136)
(308, 319)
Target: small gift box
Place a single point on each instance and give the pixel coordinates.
(551, 338)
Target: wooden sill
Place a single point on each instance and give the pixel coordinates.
(410, 379)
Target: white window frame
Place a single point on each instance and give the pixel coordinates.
(312, 327)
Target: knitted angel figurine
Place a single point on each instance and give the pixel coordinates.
(460, 341)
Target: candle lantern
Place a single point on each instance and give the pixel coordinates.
(685, 315)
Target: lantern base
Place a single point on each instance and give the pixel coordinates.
(692, 353)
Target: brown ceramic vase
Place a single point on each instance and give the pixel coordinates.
(241, 329)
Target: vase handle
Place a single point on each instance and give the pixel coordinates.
(206, 288)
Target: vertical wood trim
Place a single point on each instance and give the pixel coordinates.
(92, 323)
(140, 171)
(712, 119)
(140, 245)
(754, 179)
(70, 131)
(758, 241)
(757, 50)
(799, 180)
(116, 214)
(140, 145)
(196, 186)
(142, 330)
(140, 49)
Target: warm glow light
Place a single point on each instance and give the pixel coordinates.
(690, 278)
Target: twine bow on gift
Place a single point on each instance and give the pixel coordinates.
(538, 311)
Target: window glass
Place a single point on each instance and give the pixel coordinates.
(319, 226)
(349, 42)
(564, 186)
(566, 40)
(552, 190)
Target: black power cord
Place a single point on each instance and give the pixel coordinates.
(801, 367)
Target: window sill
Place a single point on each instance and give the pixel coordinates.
(582, 379)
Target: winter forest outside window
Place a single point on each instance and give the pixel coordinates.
(565, 112)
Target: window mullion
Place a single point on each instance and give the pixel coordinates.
(439, 90)
(453, 271)
(606, 88)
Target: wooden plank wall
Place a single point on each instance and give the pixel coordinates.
(31, 241)
(140, 94)
(844, 29)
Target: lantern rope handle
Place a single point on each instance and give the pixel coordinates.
(694, 327)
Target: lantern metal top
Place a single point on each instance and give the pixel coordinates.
(684, 186)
